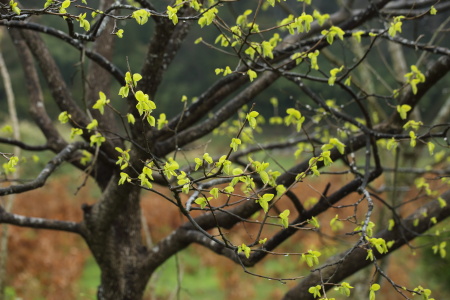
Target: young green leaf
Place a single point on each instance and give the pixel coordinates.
(244, 248)
(214, 192)
(374, 287)
(235, 142)
(141, 16)
(264, 201)
(64, 117)
(124, 177)
(311, 257)
(75, 132)
(315, 290)
(284, 218)
(97, 139)
(202, 201)
(344, 289)
(396, 26)
(403, 110)
(172, 14)
(100, 104)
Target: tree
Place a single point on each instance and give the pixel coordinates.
(350, 87)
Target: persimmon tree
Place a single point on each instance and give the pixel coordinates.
(342, 87)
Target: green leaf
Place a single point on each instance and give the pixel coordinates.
(235, 142)
(391, 144)
(313, 59)
(320, 18)
(92, 125)
(333, 73)
(413, 124)
(332, 32)
(227, 71)
(162, 121)
(442, 202)
(357, 35)
(214, 192)
(395, 26)
(281, 189)
(314, 222)
(284, 218)
(315, 290)
(375, 287)
(294, 117)
(252, 75)
(75, 132)
(403, 110)
(391, 224)
(14, 6)
(172, 13)
(170, 167)
(336, 224)
(433, 10)
(9, 167)
(251, 117)
(119, 33)
(141, 16)
(431, 147)
(124, 177)
(413, 137)
(414, 77)
(65, 4)
(208, 17)
(344, 289)
(264, 201)
(100, 104)
(48, 3)
(83, 22)
(64, 117)
(379, 244)
(303, 23)
(264, 177)
(267, 49)
(244, 248)
(144, 181)
(124, 91)
(207, 158)
(85, 158)
(202, 201)
(97, 139)
(130, 118)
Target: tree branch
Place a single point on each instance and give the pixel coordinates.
(37, 106)
(343, 265)
(225, 112)
(39, 223)
(51, 166)
(22, 145)
(107, 65)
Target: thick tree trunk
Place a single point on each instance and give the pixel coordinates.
(119, 250)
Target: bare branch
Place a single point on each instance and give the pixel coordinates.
(39, 223)
(51, 166)
(225, 112)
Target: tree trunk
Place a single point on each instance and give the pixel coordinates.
(119, 250)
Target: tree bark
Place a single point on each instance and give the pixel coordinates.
(118, 248)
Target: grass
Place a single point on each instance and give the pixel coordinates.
(89, 281)
(186, 274)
